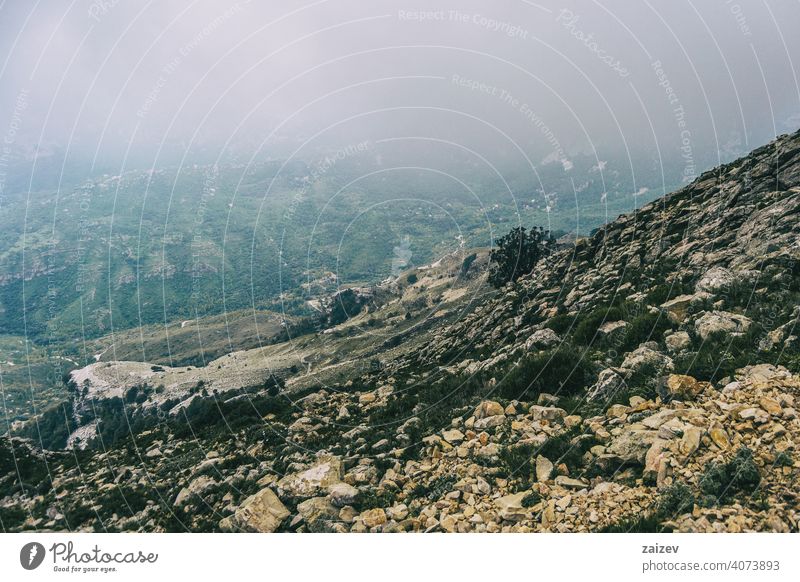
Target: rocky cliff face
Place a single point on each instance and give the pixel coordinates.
(644, 379)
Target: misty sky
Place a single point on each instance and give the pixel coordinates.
(137, 84)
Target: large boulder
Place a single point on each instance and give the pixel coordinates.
(549, 413)
(197, 487)
(314, 481)
(544, 469)
(342, 494)
(645, 357)
(611, 330)
(632, 444)
(609, 381)
(318, 513)
(542, 339)
(262, 513)
(488, 408)
(373, 517)
(678, 309)
(653, 459)
(763, 374)
(510, 506)
(681, 387)
(678, 341)
(716, 322)
(716, 279)
(489, 422)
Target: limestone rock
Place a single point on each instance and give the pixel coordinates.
(490, 422)
(611, 329)
(453, 436)
(314, 481)
(544, 469)
(262, 512)
(570, 483)
(197, 487)
(510, 506)
(542, 339)
(342, 494)
(609, 381)
(632, 445)
(690, 441)
(653, 458)
(682, 387)
(721, 322)
(678, 309)
(646, 357)
(719, 436)
(678, 341)
(550, 413)
(318, 513)
(488, 408)
(367, 398)
(715, 280)
(374, 517)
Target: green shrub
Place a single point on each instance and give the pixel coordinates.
(675, 500)
(517, 253)
(561, 323)
(672, 501)
(722, 481)
(644, 327)
(666, 291)
(784, 459)
(562, 449)
(719, 356)
(560, 371)
(647, 523)
(518, 461)
(437, 488)
(52, 428)
(373, 498)
(467, 263)
(587, 326)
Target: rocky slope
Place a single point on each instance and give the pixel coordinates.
(644, 379)
(731, 238)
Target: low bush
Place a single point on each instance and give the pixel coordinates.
(587, 326)
(672, 501)
(643, 328)
(722, 481)
(560, 371)
(467, 263)
(666, 291)
(561, 323)
(719, 356)
(784, 459)
(675, 500)
(531, 499)
(52, 428)
(518, 461)
(372, 499)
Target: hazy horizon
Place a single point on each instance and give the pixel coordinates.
(108, 86)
